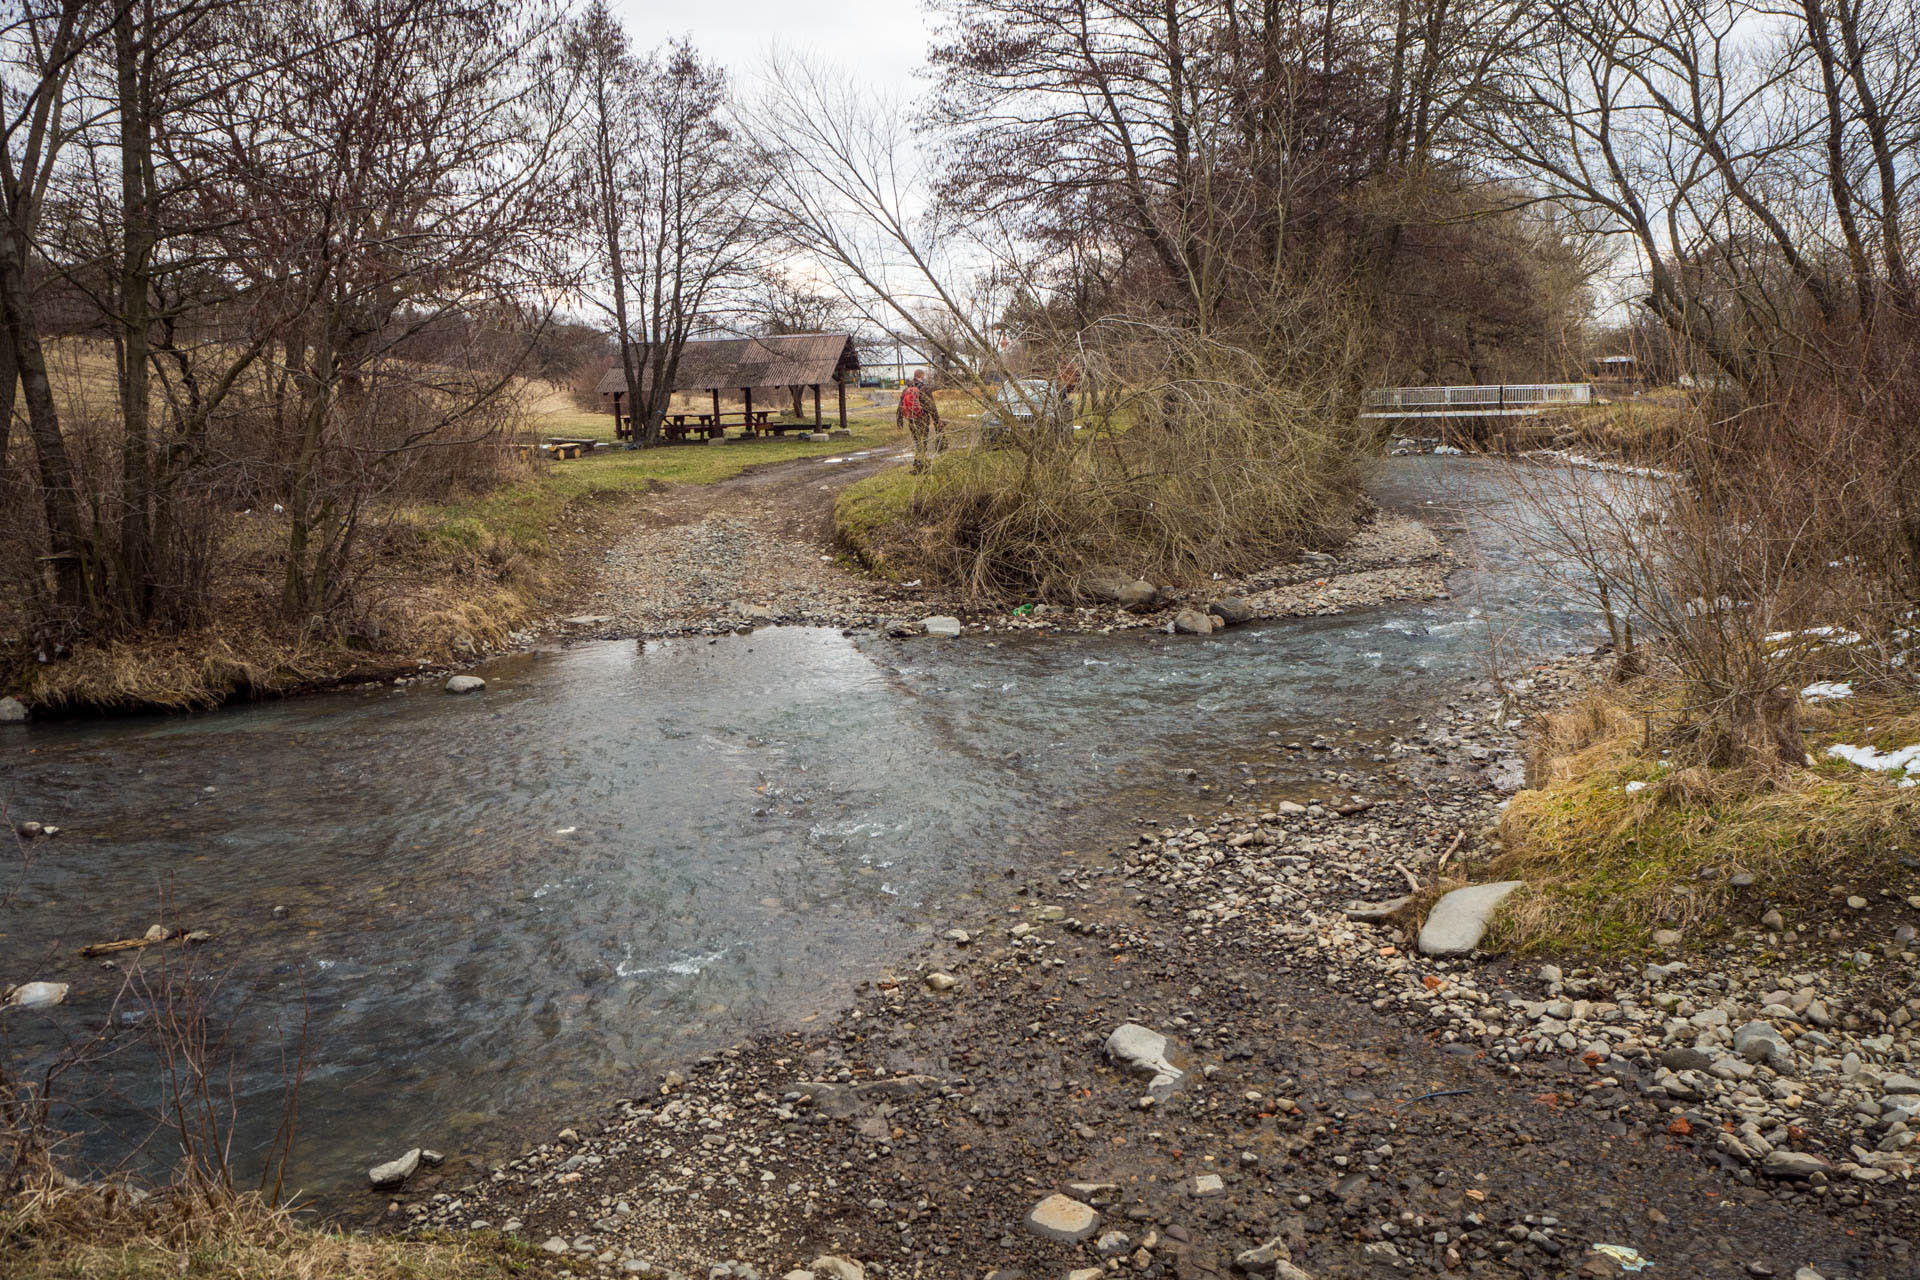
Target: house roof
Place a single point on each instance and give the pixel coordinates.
(727, 364)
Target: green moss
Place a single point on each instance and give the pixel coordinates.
(1605, 867)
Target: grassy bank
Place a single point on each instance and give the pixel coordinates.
(1615, 842)
(1038, 519)
(447, 583)
(50, 1232)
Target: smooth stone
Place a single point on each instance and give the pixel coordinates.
(12, 711)
(1458, 921)
(1143, 1051)
(831, 1266)
(1667, 939)
(1192, 622)
(941, 625)
(1758, 1042)
(1781, 1163)
(37, 995)
(1900, 1084)
(587, 620)
(1062, 1218)
(1231, 610)
(1133, 594)
(465, 684)
(942, 981)
(395, 1172)
(1209, 1184)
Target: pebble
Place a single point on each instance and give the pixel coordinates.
(1062, 1218)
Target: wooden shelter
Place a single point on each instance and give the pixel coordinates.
(791, 363)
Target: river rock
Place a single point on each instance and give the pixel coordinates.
(36, 995)
(942, 982)
(1231, 610)
(1781, 1163)
(832, 1266)
(1758, 1042)
(1192, 622)
(1063, 1218)
(587, 620)
(1128, 593)
(1375, 912)
(1262, 1257)
(465, 684)
(12, 711)
(1143, 1051)
(1458, 921)
(940, 625)
(395, 1172)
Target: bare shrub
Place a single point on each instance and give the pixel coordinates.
(1176, 459)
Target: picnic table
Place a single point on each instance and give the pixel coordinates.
(678, 426)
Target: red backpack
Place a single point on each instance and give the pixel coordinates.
(910, 401)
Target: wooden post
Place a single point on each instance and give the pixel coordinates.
(618, 434)
(746, 416)
(816, 406)
(716, 412)
(840, 385)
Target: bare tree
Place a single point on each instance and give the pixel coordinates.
(669, 200)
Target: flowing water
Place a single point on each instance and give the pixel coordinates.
(496, 909)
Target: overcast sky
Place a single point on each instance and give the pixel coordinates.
(882, 42)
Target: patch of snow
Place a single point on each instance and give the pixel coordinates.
(1447, 450)
(1634, 786)
(1834, 635)
(1879, 761)
(1826, 690)
(1586, 463)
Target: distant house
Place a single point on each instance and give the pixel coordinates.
(770, 368)
(1614, 370)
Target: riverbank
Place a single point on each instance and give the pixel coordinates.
(448, 585)
(1339, 1104)
(763, 552)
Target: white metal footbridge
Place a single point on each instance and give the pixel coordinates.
(1507, 400)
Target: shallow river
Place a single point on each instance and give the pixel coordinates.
(495, 909)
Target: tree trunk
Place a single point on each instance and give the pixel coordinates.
(135, 586)
(66, 550)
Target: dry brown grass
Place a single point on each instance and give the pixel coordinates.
(53, 1229)
(1605, 866)
(1191, 460)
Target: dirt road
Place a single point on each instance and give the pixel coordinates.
(747, 551)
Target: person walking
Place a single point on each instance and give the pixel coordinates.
(921, 416)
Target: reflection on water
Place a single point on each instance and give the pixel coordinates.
(622, 853)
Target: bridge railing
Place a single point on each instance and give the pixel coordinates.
(1506, 396)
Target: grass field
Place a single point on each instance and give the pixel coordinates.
(526, 511)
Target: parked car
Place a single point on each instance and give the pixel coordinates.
(1016, 403)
